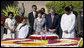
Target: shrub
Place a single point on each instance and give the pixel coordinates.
(11, 9)
(3, 20)
(60, 5)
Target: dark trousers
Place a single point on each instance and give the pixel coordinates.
(22, 14)
(5, 30)
(60, 33)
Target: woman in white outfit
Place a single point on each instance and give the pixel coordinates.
(10, 24)
(68, 24)
(22, 29)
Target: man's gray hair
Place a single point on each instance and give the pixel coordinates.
(52, 8)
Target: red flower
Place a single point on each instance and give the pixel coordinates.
(3, 20)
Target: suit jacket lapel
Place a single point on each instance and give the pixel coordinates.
(36, 14)
(32, 15)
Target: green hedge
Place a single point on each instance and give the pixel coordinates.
(60, 5)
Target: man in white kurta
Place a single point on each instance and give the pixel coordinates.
(68, 24)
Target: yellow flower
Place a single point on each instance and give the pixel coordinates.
(81, 43)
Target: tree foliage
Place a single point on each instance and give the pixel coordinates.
(11, 9)
(60, 5)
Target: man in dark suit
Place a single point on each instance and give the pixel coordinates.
(31, 16)
(53, 21)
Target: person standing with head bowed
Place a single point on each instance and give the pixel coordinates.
(10, 24)
(68, 24)
(53, 21)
